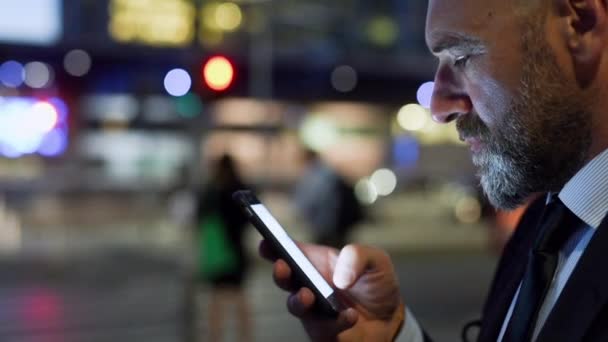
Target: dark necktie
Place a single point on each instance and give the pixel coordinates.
(557, 225)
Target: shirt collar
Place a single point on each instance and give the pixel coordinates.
(586, 194)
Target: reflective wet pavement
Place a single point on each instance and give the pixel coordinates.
(125, 295)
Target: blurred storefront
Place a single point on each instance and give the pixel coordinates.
(107, 105)
(125, 99)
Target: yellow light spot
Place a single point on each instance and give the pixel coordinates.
(412, 117)
(152, 22)
(208, 16)
(228, 16)
(218, 73)
(383, 31)
(468, 210)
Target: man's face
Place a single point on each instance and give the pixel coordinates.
(499, 79)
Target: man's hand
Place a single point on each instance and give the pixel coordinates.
(364, 277)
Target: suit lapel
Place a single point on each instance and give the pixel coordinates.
(585, 293)
(510, 272)
(501, 301)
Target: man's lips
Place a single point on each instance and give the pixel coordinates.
(475, 144)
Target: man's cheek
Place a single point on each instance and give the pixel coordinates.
(490, 98)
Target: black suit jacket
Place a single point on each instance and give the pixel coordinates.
(581, 311)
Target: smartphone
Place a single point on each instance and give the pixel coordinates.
(327, 301)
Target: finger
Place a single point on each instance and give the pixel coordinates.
(346, 320)
(281, 273)
(319, 255)
(321, 329)
(300, 304)
(322, 257)
(266, 251)
(353, 261)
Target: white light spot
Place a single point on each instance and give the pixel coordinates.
(43, 117)
(366, 192)
(385, 181)
(177, 82)
(77, 63)
(38, 75)
(319, 133)
(425, 94)
(344, 78)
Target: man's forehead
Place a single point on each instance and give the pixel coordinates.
(460, 14)
(461, 17)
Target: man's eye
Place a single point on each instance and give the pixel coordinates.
(461, 61)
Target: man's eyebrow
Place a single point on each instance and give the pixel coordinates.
(446, 41)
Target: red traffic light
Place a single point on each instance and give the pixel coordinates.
(218, 73)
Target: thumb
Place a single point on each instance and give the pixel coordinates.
(353, 262)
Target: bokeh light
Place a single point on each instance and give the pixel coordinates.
(382, 31)
(77, 63)
(25, 142)
(41, 307)
(28, 125)
(406, 151)
(412, 117)
(189, 105)
(177, 82)
(209, 37)
(43, 117)
(344, 78)
(228, 16)
(468, 210)
(318, 133)
(38, 75)
(12, 74)
(53, 144)
(366, 192)
(61, 107)
(9, 151)
(218, 73)
(385, 181)
(208, 16)
(158, 23)
(425, 94)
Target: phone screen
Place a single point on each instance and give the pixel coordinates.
(293, 250)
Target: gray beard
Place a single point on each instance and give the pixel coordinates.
(544, 138)
(502, 181)
(511, 170)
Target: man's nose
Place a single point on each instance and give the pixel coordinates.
(449, 100)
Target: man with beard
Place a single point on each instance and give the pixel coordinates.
(526, 83)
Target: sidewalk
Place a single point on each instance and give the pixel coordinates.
(127, 283)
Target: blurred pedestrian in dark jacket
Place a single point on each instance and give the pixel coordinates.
(326, 201)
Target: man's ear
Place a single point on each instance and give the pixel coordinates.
(585, 32)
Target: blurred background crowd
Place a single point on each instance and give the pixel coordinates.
(113, 114)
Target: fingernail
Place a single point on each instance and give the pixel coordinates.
(351, 315)
(344, 279)
(301, 296)
(292, 301)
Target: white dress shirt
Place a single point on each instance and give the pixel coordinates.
(586, 195)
